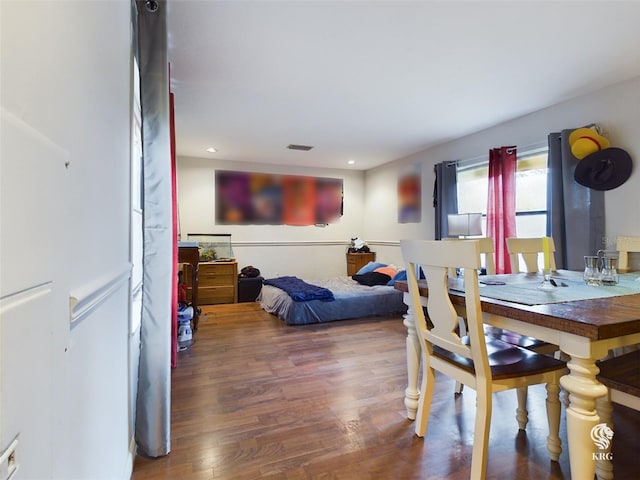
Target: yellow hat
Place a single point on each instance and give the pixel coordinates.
(585, 141)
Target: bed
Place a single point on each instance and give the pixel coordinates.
(351, 300)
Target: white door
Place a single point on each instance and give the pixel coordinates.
(32, 199)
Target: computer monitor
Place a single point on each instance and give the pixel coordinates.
(465, 224)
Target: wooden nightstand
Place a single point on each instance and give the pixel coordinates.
(355, 261)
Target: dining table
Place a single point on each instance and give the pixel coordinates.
(585, 322)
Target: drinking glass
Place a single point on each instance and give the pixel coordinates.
(546, 280)
(609, 274)
(592, 275)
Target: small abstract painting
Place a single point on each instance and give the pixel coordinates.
(410, 194)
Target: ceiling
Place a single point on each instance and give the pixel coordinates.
(373, 81)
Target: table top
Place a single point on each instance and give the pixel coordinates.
(594, 318)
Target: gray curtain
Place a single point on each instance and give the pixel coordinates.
(445, 197)
(576, 213)
(153, 404)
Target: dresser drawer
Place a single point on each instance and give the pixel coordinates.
(217, 269)
(212, 274)
(215, 295)
(210, 278)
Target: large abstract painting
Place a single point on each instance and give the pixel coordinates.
(266, 199)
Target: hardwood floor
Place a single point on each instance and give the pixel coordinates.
(256, 399)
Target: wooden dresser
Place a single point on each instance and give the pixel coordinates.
(217, 282)
(355, 261)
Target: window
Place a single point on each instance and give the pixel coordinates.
(531, 192)
(531, 195)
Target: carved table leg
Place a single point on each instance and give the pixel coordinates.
(604, 467)
(582, 417)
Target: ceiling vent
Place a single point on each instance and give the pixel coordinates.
(293, 146)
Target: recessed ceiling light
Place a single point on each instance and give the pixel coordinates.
(211, 150)
(351, 162)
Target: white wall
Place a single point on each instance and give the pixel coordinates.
(371, 202)
(616, 109)
(309, 252)
(65, 238)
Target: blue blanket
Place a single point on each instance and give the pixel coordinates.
(299, 290)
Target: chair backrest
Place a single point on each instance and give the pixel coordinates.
(624, 245)
(529, 248)
(436, 258)
(487, 249)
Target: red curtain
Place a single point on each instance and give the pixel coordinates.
(501, 205)
(174, 207)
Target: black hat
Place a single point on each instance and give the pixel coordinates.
(604, 170)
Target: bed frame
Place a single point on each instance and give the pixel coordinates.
(352, 300)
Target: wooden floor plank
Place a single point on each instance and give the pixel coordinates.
(256, 399)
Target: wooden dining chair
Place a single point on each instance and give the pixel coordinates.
(487, 249)
(483, 363)
(621, 376)
(529, 249)
(626, 245)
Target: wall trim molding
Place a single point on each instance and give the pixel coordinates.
(385, 243)
(15, 299)
(292, 243)
(85, 299)
(311, 243)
